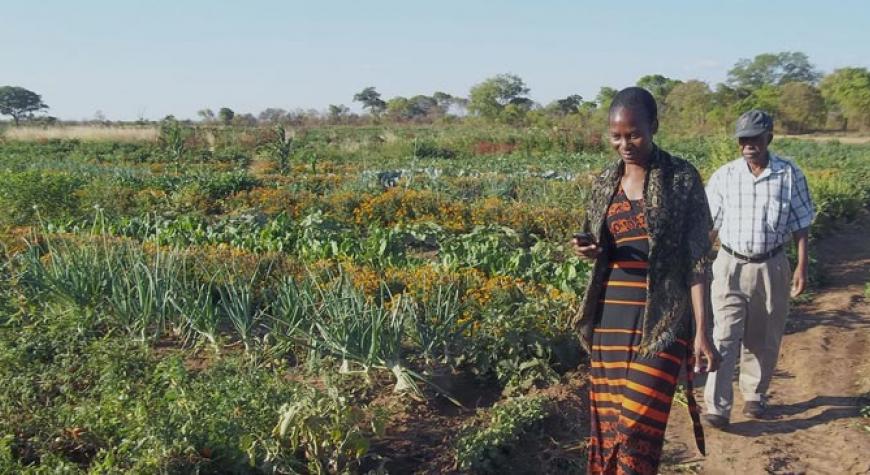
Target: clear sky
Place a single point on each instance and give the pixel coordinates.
(150, 58)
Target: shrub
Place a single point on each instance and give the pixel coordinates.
(51, 195)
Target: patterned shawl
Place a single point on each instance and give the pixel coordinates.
(678, 221)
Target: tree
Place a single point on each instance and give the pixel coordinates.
(765, 98)
(337, 112)
(423, 106)
(247, 119)
(272, 115)
(849, 90)
(489, 98)
(417, 107)
(568, 105)
(371, 100)
(19, 103)
(801, 107)
(724, 104)
(688, 105)
(399, 108)
(605, 97)
(660, 86)
(773, 70)
(206, 115)
(444, 101)
(226, 115)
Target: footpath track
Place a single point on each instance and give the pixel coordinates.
(814, 425)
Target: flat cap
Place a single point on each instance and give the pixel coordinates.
(753, 124)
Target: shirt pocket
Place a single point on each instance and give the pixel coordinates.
(777, 214)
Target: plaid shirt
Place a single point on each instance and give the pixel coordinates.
(756, 214)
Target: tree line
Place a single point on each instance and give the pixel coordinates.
(786, 84)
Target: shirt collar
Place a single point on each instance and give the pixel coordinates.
(775, 164)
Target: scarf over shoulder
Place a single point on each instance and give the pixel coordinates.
(679, 223)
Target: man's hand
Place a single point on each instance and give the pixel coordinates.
(707, 359)
(587, 252)
(799, 281)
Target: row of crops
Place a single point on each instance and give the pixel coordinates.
(235, 304)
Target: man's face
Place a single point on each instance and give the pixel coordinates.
(755, 148)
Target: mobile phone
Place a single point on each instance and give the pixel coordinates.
(584, 239)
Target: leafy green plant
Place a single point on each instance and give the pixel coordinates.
(26, 196)
(327, 430)
(484, 449)
(425, 149)
(437, 330)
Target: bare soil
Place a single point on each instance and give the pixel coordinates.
(821, 383)
(420, 435)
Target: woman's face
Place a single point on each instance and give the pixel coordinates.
(631, 135)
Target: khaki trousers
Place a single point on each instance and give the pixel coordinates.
(750, 305)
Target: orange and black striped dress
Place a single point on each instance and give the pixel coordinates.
(630, 395)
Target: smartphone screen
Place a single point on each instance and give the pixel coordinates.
(584, 239)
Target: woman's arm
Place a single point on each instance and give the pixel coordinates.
(706, 357)
(699, 237)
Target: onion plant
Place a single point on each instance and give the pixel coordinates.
(290, 312)
(238, 304)
(74, 275)
(361, 332)
(198, 310)
(141, 291)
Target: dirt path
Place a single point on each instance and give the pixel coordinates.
(824, 368)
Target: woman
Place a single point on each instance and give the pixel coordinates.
(649, 224)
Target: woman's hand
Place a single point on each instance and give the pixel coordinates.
(589, 251)
(707, 359)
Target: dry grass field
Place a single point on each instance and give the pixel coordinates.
(851, 138)
(90, 133)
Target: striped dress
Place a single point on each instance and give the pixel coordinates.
(630, 396)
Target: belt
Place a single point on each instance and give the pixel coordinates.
(756, 258)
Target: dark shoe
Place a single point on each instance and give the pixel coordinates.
(754, 409)
(716, 421)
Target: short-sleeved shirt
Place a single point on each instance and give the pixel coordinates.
(755, 214)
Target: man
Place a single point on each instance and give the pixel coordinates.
(758, 203)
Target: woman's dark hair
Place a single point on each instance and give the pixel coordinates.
(637, 99)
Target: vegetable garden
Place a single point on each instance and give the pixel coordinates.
(326, 300)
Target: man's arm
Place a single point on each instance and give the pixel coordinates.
(799, 279)
(801, 216)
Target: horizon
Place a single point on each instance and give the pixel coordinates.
(148, 60)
